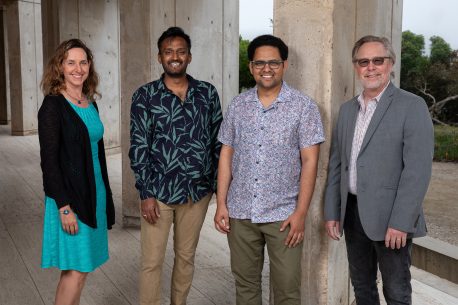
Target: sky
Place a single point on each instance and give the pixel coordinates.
(425, 17)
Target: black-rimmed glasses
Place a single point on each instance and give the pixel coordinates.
(260, 64)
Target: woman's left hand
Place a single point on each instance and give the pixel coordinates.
(68, 220)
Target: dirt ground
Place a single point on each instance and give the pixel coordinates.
(441, 203)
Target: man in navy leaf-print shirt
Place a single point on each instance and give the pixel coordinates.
(267, 171)
(174, 155)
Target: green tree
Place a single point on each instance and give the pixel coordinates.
(413, 61)
(245, 79)
(440, 88)
(441, 51)
(434, 77)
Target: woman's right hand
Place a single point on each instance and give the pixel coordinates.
(68, 220)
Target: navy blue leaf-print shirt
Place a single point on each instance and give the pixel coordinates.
(174, 149)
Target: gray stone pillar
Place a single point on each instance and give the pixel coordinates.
(213, 28)
(230, 78)
(137, 61)
(3, 86)
(25, 59)
(320, 35)
(50, 26)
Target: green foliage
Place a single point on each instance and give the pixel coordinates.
(245, 79)
(446, 143)
(440, 50)
(413, 61)
(433, 77)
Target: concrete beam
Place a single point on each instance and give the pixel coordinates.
(437, 257)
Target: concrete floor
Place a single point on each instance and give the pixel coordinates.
(23, 282)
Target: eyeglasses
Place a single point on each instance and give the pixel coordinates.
(364, 62)
(260, 64)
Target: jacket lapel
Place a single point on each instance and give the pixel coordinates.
(350, 130)
(380, 111)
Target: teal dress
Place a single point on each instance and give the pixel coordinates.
(88, 249)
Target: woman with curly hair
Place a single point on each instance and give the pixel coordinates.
(78, 201)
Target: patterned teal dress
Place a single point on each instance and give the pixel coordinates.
(88, 249)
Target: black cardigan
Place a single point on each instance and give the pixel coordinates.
(66, 161)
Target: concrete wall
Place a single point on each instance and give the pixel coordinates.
(4, 117)
(25, 60)
(97, 24)
(320, 35)
(213, 28)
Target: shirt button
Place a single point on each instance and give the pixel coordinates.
(262, 128)
(256, 179)
(257, 162)
(259, 145)
(255, 196)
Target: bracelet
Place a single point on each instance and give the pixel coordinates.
(65, 212)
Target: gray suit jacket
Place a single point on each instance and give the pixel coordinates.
(393, 166)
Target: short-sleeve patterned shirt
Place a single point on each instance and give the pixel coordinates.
(266, 163)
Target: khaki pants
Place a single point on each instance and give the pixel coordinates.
(246, 242)
(187, 222)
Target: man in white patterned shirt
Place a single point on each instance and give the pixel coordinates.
(379, 171)
(266, 176)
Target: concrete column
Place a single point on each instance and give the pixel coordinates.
(25, 59)
(3, 86)
(230, 87)
(137, 61)
(320, 35)
(213, 28)
(50, 26)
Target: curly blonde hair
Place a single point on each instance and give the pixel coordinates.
(53, 81)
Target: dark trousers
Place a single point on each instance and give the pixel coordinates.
(364, 255)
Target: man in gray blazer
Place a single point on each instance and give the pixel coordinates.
(379, 171)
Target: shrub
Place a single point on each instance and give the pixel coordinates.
(446, 143)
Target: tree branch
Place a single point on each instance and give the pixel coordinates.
(439, 121)
(424, 91)
(442, 103)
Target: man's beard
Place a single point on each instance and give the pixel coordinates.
(175, 73)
